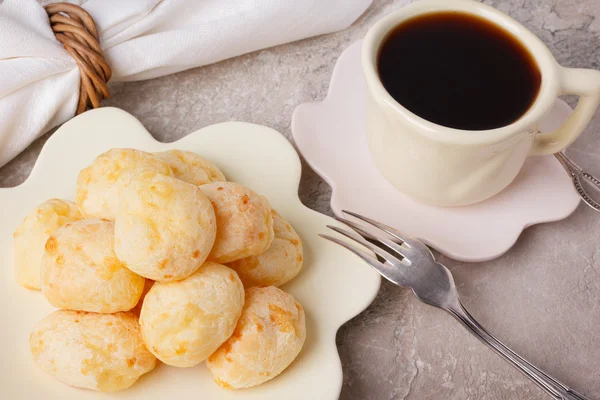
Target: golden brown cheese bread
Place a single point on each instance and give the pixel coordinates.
(138, 307)
(99, 185)
(30, 238)
(268, 337)
(279, 264)
(244, 221)
(164, 228)
(191, 168)
(80, 270)
(103, 352)
(184, 322)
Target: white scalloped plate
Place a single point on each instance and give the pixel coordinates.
(333, 287)
(331, 136)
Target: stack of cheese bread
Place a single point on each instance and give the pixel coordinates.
(161, 258)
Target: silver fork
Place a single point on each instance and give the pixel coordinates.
(410, 263)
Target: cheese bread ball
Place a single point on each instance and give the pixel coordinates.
(80, 270)
(268, 337)
(99, 185)
(279, 264)
(138, 307)
(191, 168)
(30, 238)
(103, 352)
(164, 227)
(244, 221)
(184, 322)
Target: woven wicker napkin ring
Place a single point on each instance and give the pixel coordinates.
(76, 30)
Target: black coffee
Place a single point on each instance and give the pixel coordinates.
(459, 71)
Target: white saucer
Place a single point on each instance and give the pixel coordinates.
(331, 137)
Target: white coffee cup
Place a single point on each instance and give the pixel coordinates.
(451, 167)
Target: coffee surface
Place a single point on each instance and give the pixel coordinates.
(458, 70)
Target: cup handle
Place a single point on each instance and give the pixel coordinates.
(586, 84)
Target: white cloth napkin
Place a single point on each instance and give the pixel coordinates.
(142, 39)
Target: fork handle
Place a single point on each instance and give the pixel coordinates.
(552, 386)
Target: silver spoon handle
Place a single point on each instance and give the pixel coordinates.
(579, 176)
(552, 386)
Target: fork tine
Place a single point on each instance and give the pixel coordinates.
(356, 227)
(384, 270)
(386, 228)
(388, 243)
(361, 240)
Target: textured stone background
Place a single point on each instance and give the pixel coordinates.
(542, 298)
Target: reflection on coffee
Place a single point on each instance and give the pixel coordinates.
(459, 71)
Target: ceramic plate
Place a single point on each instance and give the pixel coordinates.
(331, 136)
(333, 287)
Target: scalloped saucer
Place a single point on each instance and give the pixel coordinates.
(253, 155)
(331, 137)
